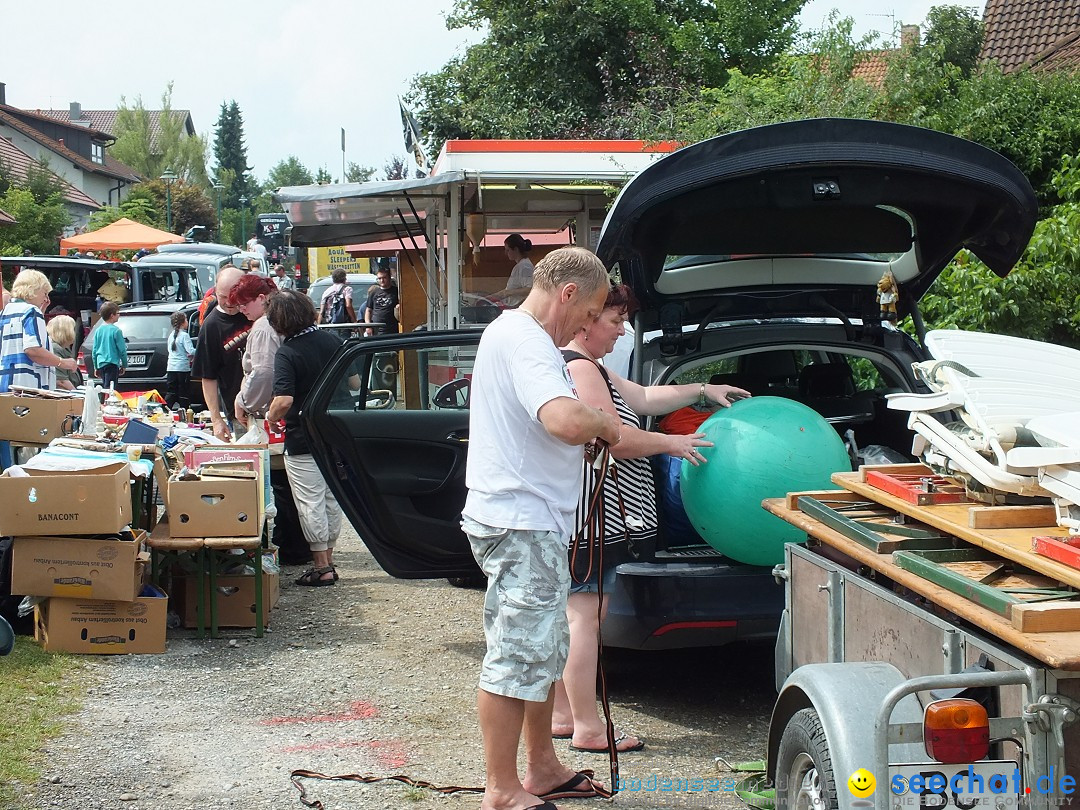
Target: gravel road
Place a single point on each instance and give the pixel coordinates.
(373, 675)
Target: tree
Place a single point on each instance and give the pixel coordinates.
(547, 68)
(171, 148)
(323, 176)
(38, 224)
(42, 182)
(231, 154)
(356, 173)
(397, 168)
(289, 172)
(958, 32)
(1038, 299)
(188, 201)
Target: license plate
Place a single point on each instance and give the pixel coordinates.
(138, 360)
(1000, 786)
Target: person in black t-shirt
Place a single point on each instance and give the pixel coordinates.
(297, 366)
(219, 353)
(382, 301)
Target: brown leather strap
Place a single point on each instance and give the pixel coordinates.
(590, 540)
(300, 773)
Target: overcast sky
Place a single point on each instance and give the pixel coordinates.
(299, 69)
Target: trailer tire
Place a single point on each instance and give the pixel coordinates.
(804, 772)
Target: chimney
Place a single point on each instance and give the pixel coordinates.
(60, 141)
(909, 36)
(3, 95)
(75, 111)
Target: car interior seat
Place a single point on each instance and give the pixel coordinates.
(829, 388)
(777, 369)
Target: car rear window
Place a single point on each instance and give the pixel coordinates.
(359, 290)
(145, 327)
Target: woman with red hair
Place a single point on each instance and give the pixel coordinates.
(250, 295)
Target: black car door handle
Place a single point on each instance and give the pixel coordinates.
(458, 435)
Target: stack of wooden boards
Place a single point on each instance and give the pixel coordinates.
(983, 563)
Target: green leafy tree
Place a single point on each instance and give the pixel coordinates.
(355, 173)
(289, 172)
(323, 176)
(42, 182)
(172, 148)
(548, 68)
(1039, 298)
(189, 204)
(230, 153)
(958, 32)
(38, 224)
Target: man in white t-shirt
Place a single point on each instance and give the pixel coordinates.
(526, 431)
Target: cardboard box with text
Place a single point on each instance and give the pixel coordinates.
(51, 502)
(78, 567)
(103, 627)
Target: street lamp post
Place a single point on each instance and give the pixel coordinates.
(243, 217)
(217, 189)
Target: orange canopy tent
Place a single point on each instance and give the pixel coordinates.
(124, 234)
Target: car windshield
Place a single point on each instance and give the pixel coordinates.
(145, 326)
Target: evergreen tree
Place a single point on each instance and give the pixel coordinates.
(231, 154)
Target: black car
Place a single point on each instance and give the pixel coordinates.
(755, 256)
(146, 329)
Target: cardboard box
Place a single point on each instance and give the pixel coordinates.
(78, 567)
(235, 600)
(257, 454)
(103, 627)
(214, 507)
(35, 420)
(50, 502)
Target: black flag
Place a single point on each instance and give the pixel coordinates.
(412, 138)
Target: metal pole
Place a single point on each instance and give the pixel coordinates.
(243, 218)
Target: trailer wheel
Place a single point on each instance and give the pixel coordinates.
(804, 773)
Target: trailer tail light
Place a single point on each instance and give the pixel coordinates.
(956, 731)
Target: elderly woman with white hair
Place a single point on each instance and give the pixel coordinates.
(26, 356)
(62, 332)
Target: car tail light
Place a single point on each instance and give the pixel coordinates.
(956, 731)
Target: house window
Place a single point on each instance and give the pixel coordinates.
(97, 152)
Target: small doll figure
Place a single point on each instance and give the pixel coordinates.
(887, 295)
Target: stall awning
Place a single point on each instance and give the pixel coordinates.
(344, 213)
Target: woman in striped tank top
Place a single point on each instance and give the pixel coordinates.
(628, 505)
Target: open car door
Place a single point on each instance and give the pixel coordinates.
(389, 428)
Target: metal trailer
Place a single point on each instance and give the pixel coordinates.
(865, 645)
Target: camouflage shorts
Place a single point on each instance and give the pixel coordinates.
(524, 609)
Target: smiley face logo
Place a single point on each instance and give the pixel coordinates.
(861, 783)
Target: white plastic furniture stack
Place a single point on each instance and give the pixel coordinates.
(1019, 405)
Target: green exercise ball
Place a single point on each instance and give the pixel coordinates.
(763, 447)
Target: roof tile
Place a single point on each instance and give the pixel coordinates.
(112, 168)
(105, 120)
(1019, 32)
(19, 163)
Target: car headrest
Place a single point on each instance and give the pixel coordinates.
(825, 380)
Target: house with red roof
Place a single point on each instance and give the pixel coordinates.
(1042, 35)
(76, 154)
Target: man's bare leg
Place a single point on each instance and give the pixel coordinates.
(501, 722)
(543, 770)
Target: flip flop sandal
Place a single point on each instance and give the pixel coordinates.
(621, 738)
(313, 577)
(572, 789)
